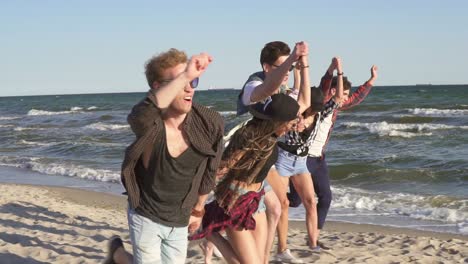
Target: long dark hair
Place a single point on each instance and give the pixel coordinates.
(244, 157)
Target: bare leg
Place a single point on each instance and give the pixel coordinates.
(225, 247)
(304, 187)
(273, 213)
(208, 249)
(260, 234)
(280, 185)
(244, 245)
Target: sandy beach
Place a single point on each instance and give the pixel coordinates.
(40, 224)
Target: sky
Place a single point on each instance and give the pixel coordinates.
(73, 47)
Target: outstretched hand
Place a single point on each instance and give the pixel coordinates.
(335, 63)
(373, 71)
(338, 64)
(300, 49)
(197, 65)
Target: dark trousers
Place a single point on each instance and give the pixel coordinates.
(318, 168)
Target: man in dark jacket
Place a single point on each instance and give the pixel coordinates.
(169, 169)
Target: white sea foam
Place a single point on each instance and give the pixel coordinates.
(401, 130)
(27, 128)
(6, 125)
(228, 113)
(407, 134)
(363, 114)
(76, 171)
(101, 144)
(64, 169)
(106, 127)
(92, 108)
(9, 117)
(438, 112)
(78, 143)
(411, 205)
(463, 228)
(33, 143)
(35, 112)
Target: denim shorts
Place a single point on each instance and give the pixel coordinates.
(156, 243)
(289, 164)
(261, 204)
(266, 186)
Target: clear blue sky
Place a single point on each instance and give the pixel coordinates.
(63, 47)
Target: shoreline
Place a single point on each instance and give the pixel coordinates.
(109, 200)
(118, 202)
(49, 224)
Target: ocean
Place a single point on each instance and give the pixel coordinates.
(400, 158)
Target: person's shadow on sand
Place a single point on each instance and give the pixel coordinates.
(33, 218)
(40, 213)
(9, 258)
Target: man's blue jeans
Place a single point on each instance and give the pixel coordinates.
(156, 243)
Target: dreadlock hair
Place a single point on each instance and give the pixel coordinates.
(244, 157)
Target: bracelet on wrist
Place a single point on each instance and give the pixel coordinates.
(303, 67)
(340, 73)
(197, 213)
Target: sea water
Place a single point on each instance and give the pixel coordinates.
(399, 158)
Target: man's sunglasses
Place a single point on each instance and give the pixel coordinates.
(193, 83)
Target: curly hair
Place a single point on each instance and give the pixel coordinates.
(155, 66)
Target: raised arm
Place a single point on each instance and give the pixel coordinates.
(339, 97)
(273, 80)
(373, 77)
(304, 93)
(333, 66)
(166, 93)
(325, 82)
(297, 76)
(361, 93)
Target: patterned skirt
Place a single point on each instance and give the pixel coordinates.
(240, 217)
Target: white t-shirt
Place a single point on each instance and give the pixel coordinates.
(316, 147)
(294, 93)
(248, 90)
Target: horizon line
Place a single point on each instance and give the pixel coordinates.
(218, 89)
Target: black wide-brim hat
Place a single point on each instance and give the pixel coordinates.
(278, 107)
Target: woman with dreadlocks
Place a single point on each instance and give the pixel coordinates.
(238, 207)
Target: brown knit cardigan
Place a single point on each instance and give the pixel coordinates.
(204, 128)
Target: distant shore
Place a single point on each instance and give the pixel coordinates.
(44, 224)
